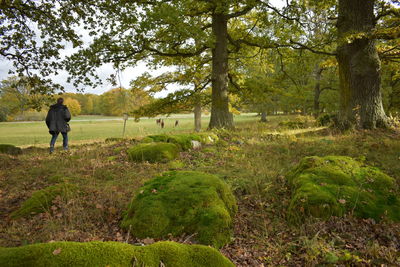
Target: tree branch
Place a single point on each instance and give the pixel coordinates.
(303, 46)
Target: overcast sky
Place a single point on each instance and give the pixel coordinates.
(105, 71)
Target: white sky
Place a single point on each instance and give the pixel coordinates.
(104, 72)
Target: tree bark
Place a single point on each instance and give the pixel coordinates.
(359, 67)
(264, 116)
(197, 116)
(220, 115)
(317, 90)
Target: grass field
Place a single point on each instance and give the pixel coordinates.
(96, 128)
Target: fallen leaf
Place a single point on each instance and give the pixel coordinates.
(148, 241)
(57, 251)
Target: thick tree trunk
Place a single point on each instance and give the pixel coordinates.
(220, 115)
(359, 67)
(197, 116)
(264, 116)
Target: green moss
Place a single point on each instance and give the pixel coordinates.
(183, 202)
(112, 158)
(153, 152)
(118, 149)
(147, 140)
(41, 200)
(335, 185)
(10, 149)
(184, 141)
(176, 164)
(112, 254)
(208, 138)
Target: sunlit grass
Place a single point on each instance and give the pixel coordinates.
(86, 129)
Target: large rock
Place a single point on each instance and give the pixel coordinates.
(41, 200)
(184, 141)
(96, 254)
(153, 152)
(185, 202)
(10, 149)
(336, 185)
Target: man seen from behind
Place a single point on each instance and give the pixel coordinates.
(57, 121)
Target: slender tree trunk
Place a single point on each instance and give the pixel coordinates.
(317, 90)
(264, 116)
(220, 115)
(197, 116)
(359, 67)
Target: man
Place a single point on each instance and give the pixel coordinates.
(57, 121)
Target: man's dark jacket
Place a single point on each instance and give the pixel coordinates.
(57, 118)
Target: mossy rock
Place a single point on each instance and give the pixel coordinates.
(153, 152)
(208, 138)
(41, 200)
(100, 254)
(10, 149)
(147, 140)
(336, 185)
(184, 141)
(183, 202)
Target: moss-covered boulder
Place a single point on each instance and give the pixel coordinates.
(10, 149)
(335, 185)
(153, 152)
(41, 200)
(102, 254)
(183, 202)
(184, 141)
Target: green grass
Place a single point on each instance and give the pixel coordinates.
(98, 128)
(254, 160)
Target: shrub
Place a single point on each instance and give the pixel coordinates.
(183, 202)
(41, 200)
(296, 122)
(153, 152)
(326, 119)
(10, 149)
(112, 254)
(335, 185)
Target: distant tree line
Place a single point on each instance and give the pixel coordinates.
(19, 102)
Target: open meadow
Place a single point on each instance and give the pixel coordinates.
(87, 129)
(255, 161)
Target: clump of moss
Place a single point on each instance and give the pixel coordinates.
(183, 202)
(176, 164)
(153, 152)
(336, 185)
(10, 149)
(184, 141)
(208, 138)
(41, 200)
(112, 254)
